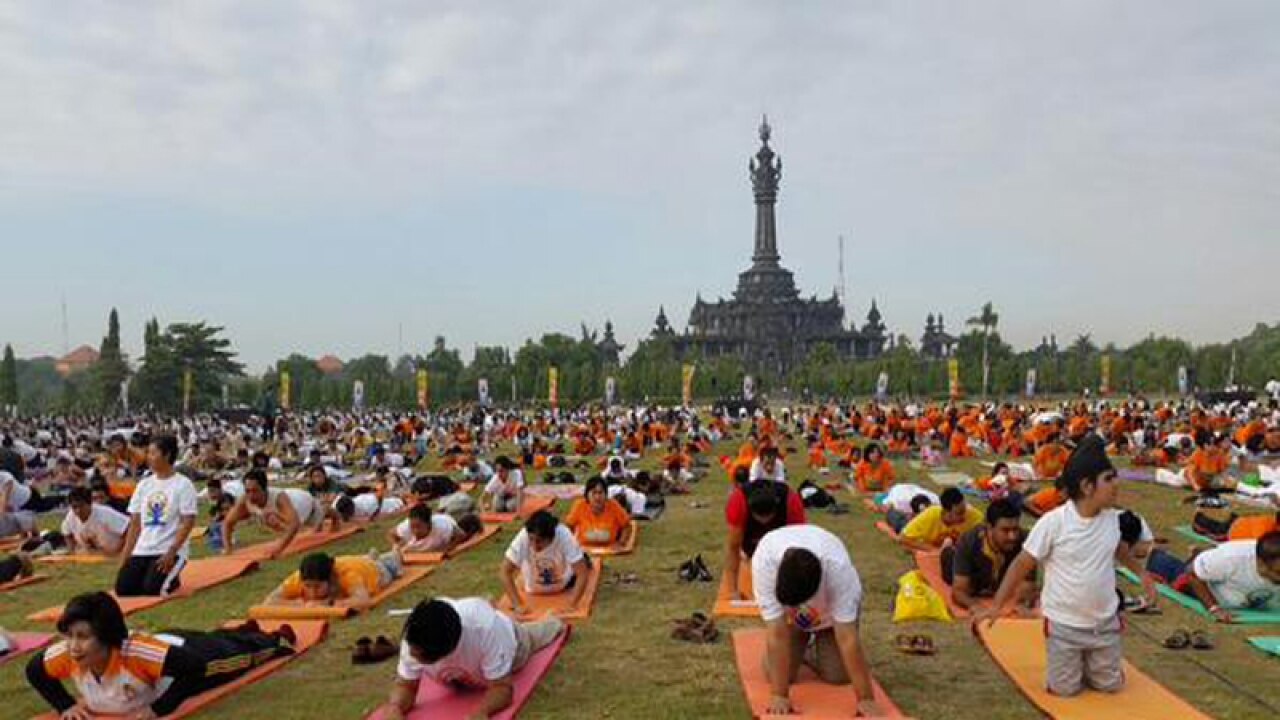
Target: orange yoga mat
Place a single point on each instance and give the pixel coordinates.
(930, 566)
(810, 697)
(532, 504)
(624, 549)
(304, 541)
(196, 576)
(1018, 647)
(22, 582)
(726, 606)
(435, 558)
(76, 559)
(297, 612)
(540, 606)
(309, 632)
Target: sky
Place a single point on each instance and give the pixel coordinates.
(333, 176)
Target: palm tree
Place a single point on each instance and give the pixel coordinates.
(987, 320)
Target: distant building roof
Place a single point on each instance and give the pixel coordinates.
(329, 365)
(76, 360)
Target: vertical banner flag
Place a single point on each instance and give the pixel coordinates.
(553, 386)
(748, 388)
(686, 384)
(1184, 381)
(423, 388)
(882, 385)
(124, 395)
(226, 395)
(357, 395)
(186, 391)
(953, 377)
(482, 389)
(610, 390)
(285, 390)
(1031, 382)
(1105, 386)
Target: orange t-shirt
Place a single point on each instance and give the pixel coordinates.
(592, 529)
(350, 571)
(1203, 466)
(1049, 460)
(1252, 527)
(875, 478)
(1047, 499)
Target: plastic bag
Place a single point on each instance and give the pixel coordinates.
(917, 600)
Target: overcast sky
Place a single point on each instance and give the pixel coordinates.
(315, 175)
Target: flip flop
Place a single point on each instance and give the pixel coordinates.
(362, 653)
(924, 645)
(1179, 640)
(1200, 641)
(382, 649)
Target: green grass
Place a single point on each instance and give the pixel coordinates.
(623, 664)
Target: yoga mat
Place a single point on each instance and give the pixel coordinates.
(22, 582)
(25, 642)
(1189, 532)
(811, 697)
(1135, 475)
(440, 702)
(76, 559)
(1269, 645)
(304, 541)
(1018, 647)
(435, 558)
(531, 505)
(196, 576)
(727, 607)
(1242, 617)
(540, 606)
(297, 612)
(950, 479)
(560, 492)
(930, 566)
(309, 634)
(615, 549)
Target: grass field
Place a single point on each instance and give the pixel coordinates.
(623, 664)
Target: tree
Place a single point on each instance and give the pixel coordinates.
(112, 369)
(9, 378)
(986, 320)
(181, 348)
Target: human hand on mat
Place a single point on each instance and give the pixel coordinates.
(79, 711)
(1222, 615)
(869, 708)
(780, 705)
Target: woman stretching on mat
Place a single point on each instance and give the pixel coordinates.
(465, 644)
(282, 510)
(549, 560)
(596, 520)
(1079, 545)
(322, 580)
(140, 676)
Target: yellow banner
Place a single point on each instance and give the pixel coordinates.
(186, 391)
(285, 390)
(953, 377)
(424, 389)
(553, 386)
(686, 384)
(1106, 375)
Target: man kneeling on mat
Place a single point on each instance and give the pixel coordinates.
(346, 581)
(976, 565)
(468, 645)
(549, 560)
(141, 676)
(810, 598)
(1236, 575)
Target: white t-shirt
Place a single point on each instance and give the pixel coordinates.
(104, 530)
(635, 502)
(161, 504)
(1231, 571)
(549, 571)
(485, 652)
(304, 506)
(1078, 555)
(495, 486)
(443, 528)
(758, 472)
(839, 595)
(366, 504)
(899, 497)
(19, 494)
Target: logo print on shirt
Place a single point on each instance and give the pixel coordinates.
(157, 503)
(805, 617)
(545, 570)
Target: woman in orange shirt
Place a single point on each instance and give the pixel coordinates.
(596, 520)
(875, 473)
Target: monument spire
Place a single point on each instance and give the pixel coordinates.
(766, 170)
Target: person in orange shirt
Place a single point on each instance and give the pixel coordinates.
(1206, 469)
(875, 472)
(1049, 459)
(817, 457)
(959, 446)
(1044, 501)
(1252, 527)
(596, 520)
(899, 444)
(347, 581)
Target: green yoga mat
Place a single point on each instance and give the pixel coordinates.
(1243, 617)
(1188, 532)
(1269, 645)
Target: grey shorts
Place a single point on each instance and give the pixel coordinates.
(1080, 658)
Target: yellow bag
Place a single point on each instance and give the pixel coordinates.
(917, 600)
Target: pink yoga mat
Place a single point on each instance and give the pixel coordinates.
(439, 702)
(24, 643)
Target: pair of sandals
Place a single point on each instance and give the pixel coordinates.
(697, 628)
(1181, 640)
(623, 579)
(695, 570)
(915, 645)
(370, 652)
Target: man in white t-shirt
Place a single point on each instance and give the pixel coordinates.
(1079, 544)
(285, 511)
(425, 531)
(1242, 574)
(162, 513)
(810, 598)
(768, 466)
(92, 529)
(549, 561)
(468, 645)
(505, 490)
(366, 506)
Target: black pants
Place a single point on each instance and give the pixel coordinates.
(39, 504)
(948, 560)
(10, 569)
(139, 576)
(228, 654)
